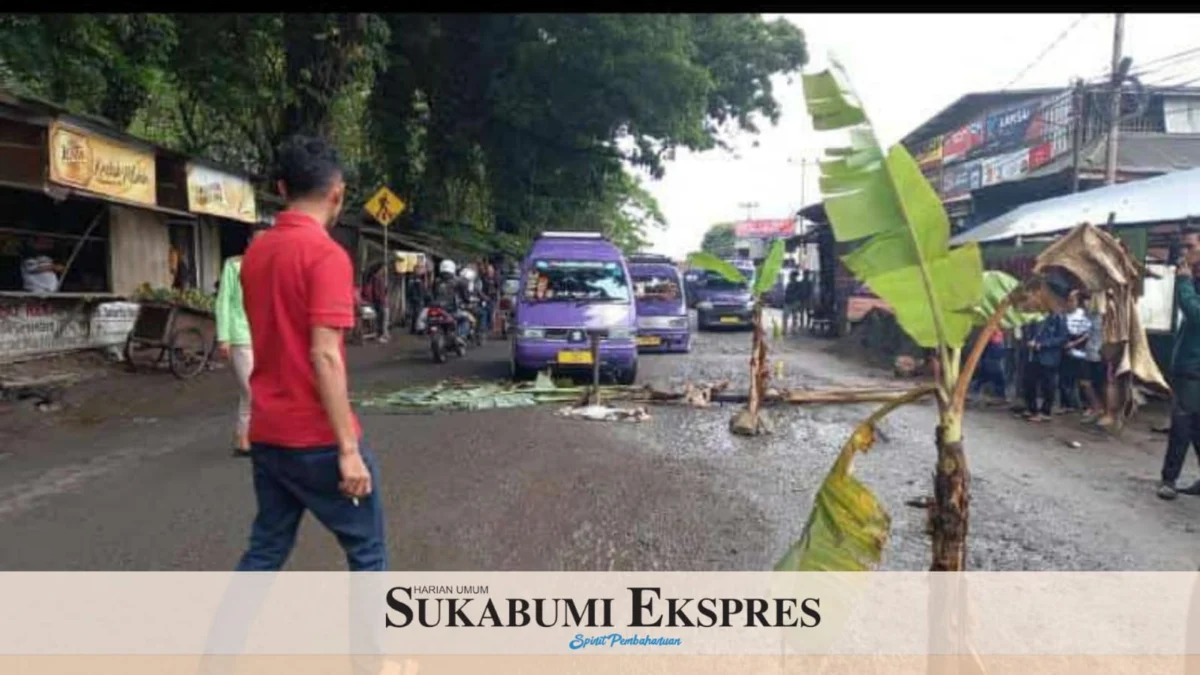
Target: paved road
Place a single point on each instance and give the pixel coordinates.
(135, 476)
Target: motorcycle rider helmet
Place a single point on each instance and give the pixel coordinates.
(447, 267)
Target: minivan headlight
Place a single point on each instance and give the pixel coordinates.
(680, 322)
(533, 333)
(704, 304)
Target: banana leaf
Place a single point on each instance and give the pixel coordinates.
(707, 261)
(996, 287)
(848, 526)
(884, 204)
(770, 268)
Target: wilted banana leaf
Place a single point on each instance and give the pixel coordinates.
(710, 262)
(848, 526)
(884, 203)
(475, 396)
(996, 287)
(770, 268)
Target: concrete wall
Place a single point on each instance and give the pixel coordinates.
(138, 248)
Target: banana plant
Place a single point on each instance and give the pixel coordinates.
(750, 421)
(882, 203)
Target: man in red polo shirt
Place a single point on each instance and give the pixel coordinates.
(298, 287)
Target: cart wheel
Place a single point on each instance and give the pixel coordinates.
(188, 352)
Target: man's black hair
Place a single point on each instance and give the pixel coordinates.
(308, 166)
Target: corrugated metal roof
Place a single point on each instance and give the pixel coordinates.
(1137, 152)
(1167, 198)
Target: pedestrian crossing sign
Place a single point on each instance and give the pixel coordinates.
(385, 206)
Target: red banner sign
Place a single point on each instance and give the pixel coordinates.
(765, 228)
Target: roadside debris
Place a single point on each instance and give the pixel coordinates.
(603, 413)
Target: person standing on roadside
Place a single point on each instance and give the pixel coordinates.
(490, 292)
(1185, 372)
(234, 344)
(305, 441)
(1074, 358)
(1041, 370)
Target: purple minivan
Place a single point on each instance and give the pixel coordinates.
(572, 282)
(662, 315)
(720, 302)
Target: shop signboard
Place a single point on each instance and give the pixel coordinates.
(89, 161)
(1041, 154)
(929, 155)
(1006, 167)
(765, 229)
(220, 194)
(1014, 128)
(957, 144)
(962, 178)
(44, 325)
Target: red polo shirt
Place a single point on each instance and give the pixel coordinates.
(294, 277)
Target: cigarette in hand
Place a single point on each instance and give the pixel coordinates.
(354, 500)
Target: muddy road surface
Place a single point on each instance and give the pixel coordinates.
(135, 474)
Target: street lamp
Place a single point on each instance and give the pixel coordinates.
(749, 206)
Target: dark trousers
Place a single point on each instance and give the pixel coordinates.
(991, 371)
(1039, 379)
(1068, 383)
(287, 482)
(1185, 432)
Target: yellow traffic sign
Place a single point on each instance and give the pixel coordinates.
(385, 206)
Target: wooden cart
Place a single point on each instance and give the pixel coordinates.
(185, 336)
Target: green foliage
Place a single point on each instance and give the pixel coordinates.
(997, 286)
(886, 205)
(512, 122)
(719, 240)
(707, 261)
(770, 268)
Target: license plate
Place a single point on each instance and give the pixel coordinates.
(730, 319)
(575, 358)
(649, 340)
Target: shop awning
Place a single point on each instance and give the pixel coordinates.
(1173, 197)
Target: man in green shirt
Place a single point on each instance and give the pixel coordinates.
(233, 341)
(1185, 372)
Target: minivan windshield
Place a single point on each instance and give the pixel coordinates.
(716, 282)
(649, 285)
(578, 280)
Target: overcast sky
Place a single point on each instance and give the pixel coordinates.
(906, 68)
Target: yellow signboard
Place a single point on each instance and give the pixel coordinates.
(385, 206)
(220, 194)
(89, 161)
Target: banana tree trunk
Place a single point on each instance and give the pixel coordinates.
(759, 371)
(952, 500)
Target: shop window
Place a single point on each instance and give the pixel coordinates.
(182, 257)
(34, 229)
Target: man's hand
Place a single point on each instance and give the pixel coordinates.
(356, 480)
(1183, 269)
(224, 351)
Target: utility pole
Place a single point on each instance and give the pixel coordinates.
(749, 206)
(1114, 104)
(1078, 105)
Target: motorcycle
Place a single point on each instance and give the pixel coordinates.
(443, 332)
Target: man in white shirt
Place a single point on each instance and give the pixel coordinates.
(38, 270)
(1074, 354)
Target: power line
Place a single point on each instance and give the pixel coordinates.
(1049, 48)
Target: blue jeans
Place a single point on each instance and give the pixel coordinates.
(286, 482)
(486, 312)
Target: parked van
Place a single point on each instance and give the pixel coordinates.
(573, 282)
(721, 302)
(661, 300)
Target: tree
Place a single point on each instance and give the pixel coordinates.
(719, 240)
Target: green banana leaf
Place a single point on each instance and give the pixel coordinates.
(848, 527)
(707, 261)
(997, 286)
(770, 268)
(884, 203)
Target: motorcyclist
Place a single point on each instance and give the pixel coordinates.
(471, 299)
(448, 293)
